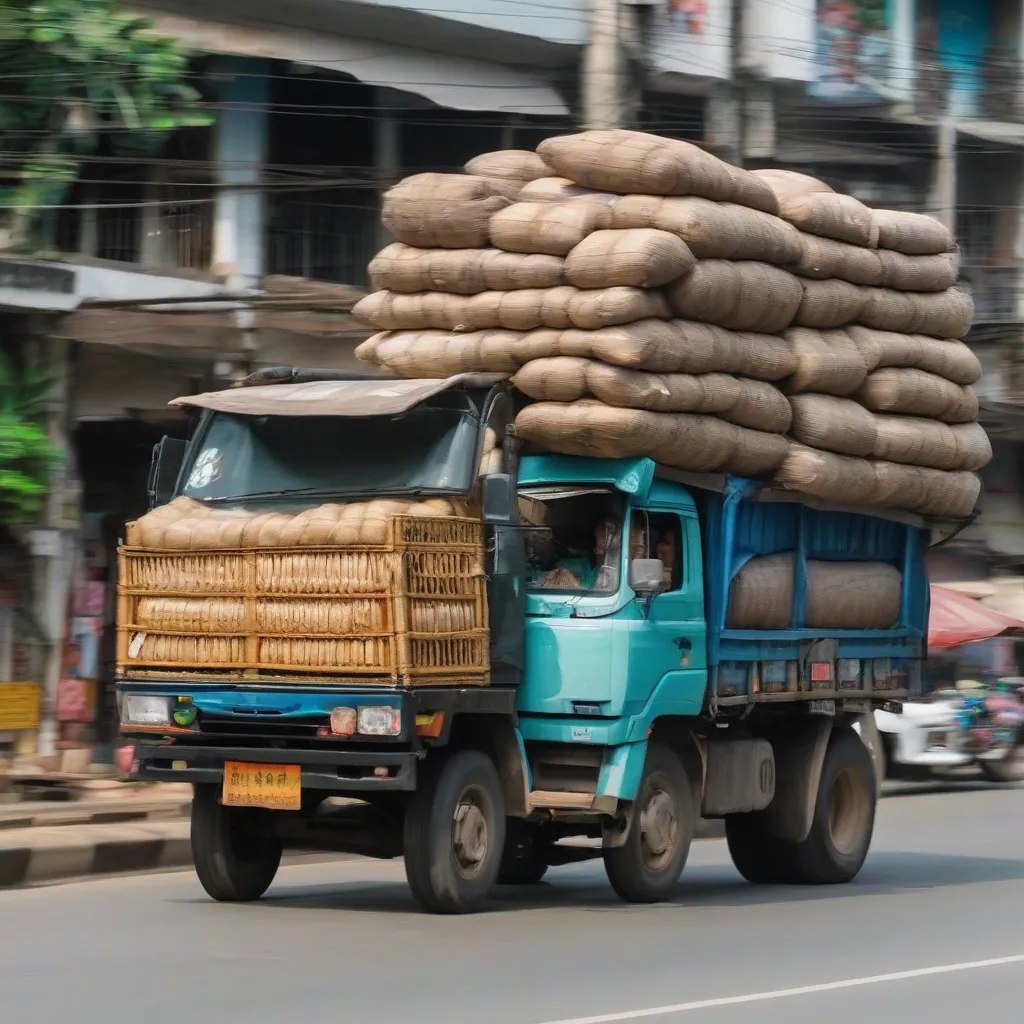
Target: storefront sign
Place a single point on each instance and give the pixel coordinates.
(19, 706)
(75, 700)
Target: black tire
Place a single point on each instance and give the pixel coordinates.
(524, 861)
(757, 855)
(235, 855)
(646, 868)
(844, 815)
(454, 833)
(1006, 769)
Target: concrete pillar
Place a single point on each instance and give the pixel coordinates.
(153, 249)
(723, 115)
(53, 543)
(387, 149)
(240, 152)
(942, 195)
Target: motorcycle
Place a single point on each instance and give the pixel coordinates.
(991, 732)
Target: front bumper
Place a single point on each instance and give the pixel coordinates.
(330, 771)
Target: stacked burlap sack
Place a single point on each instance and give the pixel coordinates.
(653, 300)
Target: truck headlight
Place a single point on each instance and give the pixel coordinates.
(143, 709)
(385, 721)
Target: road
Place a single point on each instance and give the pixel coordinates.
(341, 942)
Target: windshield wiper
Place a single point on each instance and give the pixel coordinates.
(297, 492)
(315, 492)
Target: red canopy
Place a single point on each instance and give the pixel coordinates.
(955, 619)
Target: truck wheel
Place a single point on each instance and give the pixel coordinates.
(646, 868)
(454, 833)
(757, 855)
(844, 815)
(235, 855)
(524, 861)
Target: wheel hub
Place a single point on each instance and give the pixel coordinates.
(658, 824)
(470, 835)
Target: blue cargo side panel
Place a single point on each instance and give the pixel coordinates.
(737, 529)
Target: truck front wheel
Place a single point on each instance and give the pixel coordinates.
(646, 868)
(235, 854)
(454, 833)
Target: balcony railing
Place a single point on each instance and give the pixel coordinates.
(320, 240)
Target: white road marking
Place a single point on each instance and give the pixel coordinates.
(787, 993)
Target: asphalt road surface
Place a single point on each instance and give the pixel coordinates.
(932, 931)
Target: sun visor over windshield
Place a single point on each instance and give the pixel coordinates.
(332, 397)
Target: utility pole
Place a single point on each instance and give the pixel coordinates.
(603, 78)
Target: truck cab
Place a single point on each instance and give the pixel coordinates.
(592, 684)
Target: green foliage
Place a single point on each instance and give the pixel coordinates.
(74, 72)
(27, 456)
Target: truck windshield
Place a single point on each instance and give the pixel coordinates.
(576, 541)
(427, 450)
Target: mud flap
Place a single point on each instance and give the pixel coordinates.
(799, 754)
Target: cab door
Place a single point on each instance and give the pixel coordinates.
(671, 648)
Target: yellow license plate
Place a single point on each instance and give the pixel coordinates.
(277, 787)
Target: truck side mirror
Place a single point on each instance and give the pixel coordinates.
(498, 499)
(164, 467)
(646, 575)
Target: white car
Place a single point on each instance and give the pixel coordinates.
(927, 739)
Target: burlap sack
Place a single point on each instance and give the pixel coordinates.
(847, 481)
(722, 231)
(516, 165)
(827, 362)
(640, 257)
(915, 234)
(826, 305)
(675, 346)
(402, 268)
(917, 393)
(920, 442)
(945, 314)
(950, 359)
(558, 190)
(831, 215)
(748, 403)
(523, 310)
(697, 443)
(838, 595)
(789, 185)
(833, 424)
(624, 161)
(917, 273)
(824, 258)
(745, 296)
(190, 526)
(552, 228)
(446, 211)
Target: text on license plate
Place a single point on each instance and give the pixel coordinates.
(277, 787)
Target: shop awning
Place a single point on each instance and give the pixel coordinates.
(956, 619)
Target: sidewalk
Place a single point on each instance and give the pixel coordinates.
(106, 806)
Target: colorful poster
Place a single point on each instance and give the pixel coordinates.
(852, 51)
(691, 16)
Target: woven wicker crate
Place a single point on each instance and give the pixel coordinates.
(412, 611)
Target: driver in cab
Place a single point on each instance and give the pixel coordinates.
(578, 573)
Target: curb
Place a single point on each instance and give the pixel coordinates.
(24, 866)
(111, 816)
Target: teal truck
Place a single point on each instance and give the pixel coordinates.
(595, 684)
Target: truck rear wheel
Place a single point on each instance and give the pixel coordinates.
(454, 833)
(235, 854)
(757, 855)
(646, 868)
(844, 819)
(844, 814)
